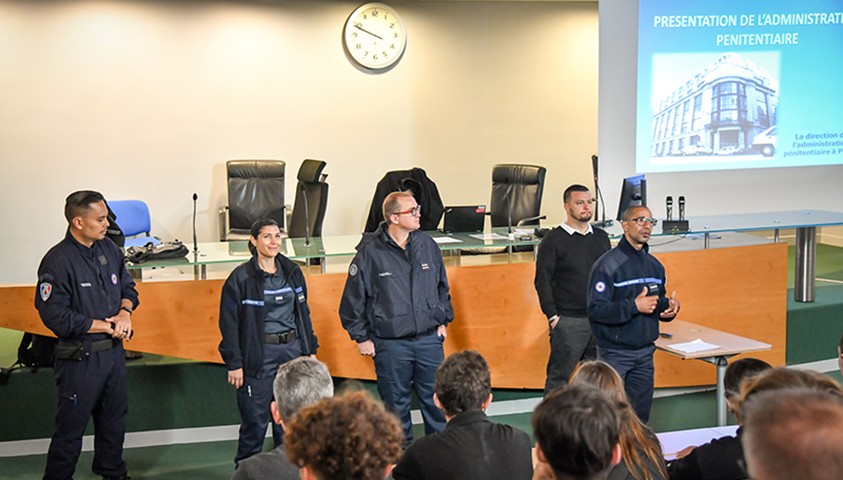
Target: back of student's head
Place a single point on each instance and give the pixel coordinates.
(350, 437)
(299, 383)
(577, 429)
(781, 378)
(463, 382)
(794, 433)
(639, 445)
(740, 370)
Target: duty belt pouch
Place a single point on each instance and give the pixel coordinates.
(73, 350)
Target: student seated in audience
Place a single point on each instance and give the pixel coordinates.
(719, 459)
(299, 383)
(471, 446)
(641, 452)
(780, 381)
(577, 430)
(350, 437)
(794, 434)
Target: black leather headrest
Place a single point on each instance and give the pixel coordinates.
(517, 174)
(255, 168)
(310, 171)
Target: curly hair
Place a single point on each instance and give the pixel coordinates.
(463, 382)
(350, 437)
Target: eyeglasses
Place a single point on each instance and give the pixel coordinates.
(640, 221)
(415, 211)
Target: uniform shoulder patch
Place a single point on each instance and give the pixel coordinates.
(45, 289)
(600, 287)
(352, 269)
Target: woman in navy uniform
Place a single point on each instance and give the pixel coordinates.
(265, 322)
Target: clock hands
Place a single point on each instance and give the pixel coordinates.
(357, 26)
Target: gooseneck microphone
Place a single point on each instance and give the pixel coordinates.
(681, 208)
(669, 207)
(195, 244)
(306, 218)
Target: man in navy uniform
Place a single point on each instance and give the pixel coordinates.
(86, 297)
(626, 300)
(395, 305)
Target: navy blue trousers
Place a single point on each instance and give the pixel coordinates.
(636, 369)
(93, 387)
(406, 364)
(254, 397)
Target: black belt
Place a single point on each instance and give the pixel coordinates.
(100, 345)
(279, 338)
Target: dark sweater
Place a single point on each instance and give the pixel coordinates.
(562, 268)
(715, 460)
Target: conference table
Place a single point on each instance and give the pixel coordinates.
(690, 341)
(495, 304)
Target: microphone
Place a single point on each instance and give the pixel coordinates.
(594, 166)
(681, 207)
(669, 206)
(306, 217)
(508, 209)
(195, 244)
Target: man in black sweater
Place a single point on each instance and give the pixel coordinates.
(565, 257)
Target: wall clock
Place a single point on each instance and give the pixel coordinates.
(375, 36)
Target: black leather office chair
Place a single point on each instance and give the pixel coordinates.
(255, 190)
(311, 201)
(516, 194)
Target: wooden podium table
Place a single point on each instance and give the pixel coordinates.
(728, 346)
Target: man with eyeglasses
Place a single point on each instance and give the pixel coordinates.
(396, 305)
(626, 300)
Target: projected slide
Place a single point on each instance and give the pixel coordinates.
(739, 84)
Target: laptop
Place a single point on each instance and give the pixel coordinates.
(465, 219)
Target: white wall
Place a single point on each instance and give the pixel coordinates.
(148, 99)
(707, 193)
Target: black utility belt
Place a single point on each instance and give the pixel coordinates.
(279, 338)
(75, 349)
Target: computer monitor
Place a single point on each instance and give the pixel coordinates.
(633, 192)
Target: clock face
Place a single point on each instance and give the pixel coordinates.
(375, 36)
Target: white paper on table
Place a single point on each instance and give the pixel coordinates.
(693, 346)
(441, 240)
(488, 236)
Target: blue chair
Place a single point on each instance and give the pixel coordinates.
(133, 218)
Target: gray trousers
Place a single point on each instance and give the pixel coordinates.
(570, 342)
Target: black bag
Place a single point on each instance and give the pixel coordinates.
(34, 351)
(150, 252)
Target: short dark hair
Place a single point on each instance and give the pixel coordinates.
(577, 428)
(740, 370)
(627, 214)
(350, 437)
(796, 433)
(566, 197)
(79, 203)
(301, 382)
(463, 382)
(256, 228)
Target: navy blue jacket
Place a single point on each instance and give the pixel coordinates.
(242, 315)
(394, 293)
(616, 279)
(77, 285)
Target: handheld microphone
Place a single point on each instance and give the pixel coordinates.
(195, 244)
(594, 166)
(681, 207)
(306, 218)
(669, 207)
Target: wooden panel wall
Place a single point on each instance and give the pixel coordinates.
(740, 290)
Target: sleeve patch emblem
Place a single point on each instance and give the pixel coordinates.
(45, 289)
